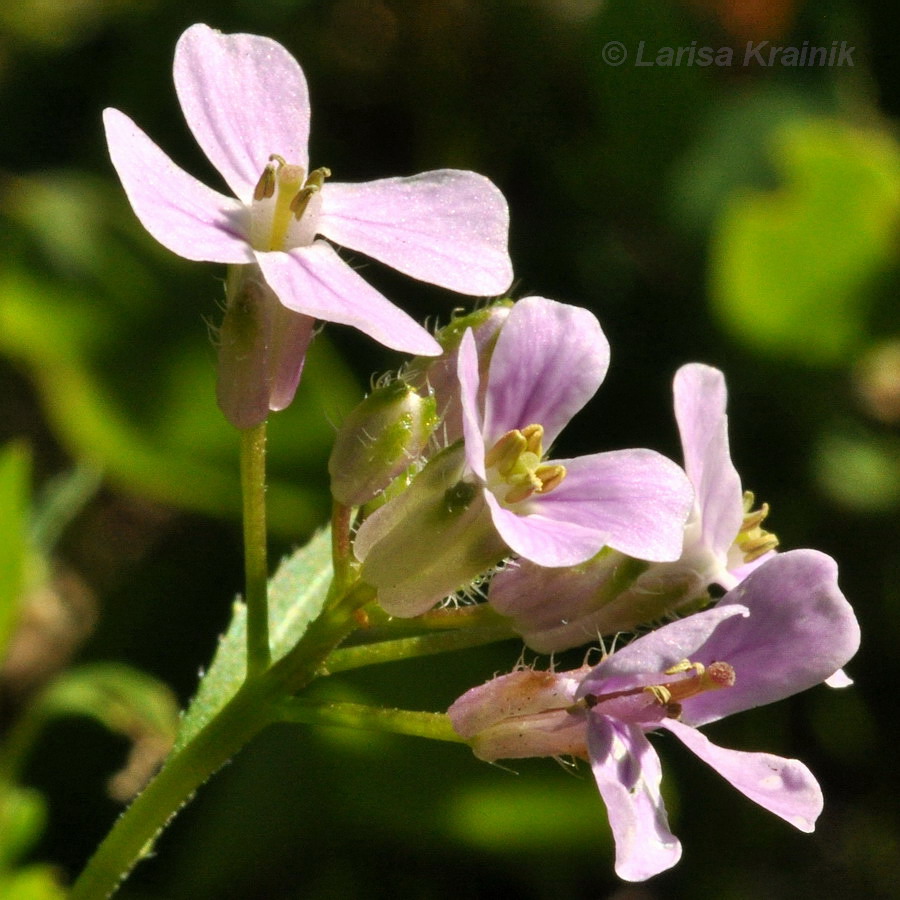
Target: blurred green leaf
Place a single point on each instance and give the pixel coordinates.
(791, 269)
(23, 814)
(860, 471)
(297, 593)
(124, 700)
(34, 883)
(15, 469)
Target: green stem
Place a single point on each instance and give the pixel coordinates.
(133, 835)
(448, 618)
(420, 645)
(253, 707)
(435, 726)
(256, 567)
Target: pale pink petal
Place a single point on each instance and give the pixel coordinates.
(547, 542)
(785, 787)
(628, 775)
(840, 679)
(183, 214)
(636, 501)
(244, 97)
(446, 227)
(549, 361)
(315, 281)
(700, 398)
(467, 370)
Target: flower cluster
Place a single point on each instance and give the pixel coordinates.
(447, 466)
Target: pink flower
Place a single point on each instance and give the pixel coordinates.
(785, 628)
(245, 100)
(549, 360)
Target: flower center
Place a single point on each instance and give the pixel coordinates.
(515, 470)
(669, 695)
(286, 204)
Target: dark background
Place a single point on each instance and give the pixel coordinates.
(743, 216)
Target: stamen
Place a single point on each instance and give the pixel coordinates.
(516, 458)
(752, 540)
(671, 694)
(265, 187)
(506, 452)
(312, 186)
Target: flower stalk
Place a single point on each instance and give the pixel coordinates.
(256, 568)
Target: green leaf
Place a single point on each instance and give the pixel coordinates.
(124, 700)
(297, 594)
(15, 469)
(792, 270)
(23, 814)
(34, 883)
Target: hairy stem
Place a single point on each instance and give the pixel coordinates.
(256, 567)
(435, 726)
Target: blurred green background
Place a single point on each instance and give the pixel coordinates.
(744, 215)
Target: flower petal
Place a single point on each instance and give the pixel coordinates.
(641, 661)
(547, 542)
(469, 383)
(785, 787)
(628, 775)
(244, 97)
(446, 227)
(315, 281)
(636, 501)
(801, 630)
(183, 214)
(549, 361)
(700, 398)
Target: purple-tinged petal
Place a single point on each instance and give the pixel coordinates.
(628, 775)
(700, 398)
(469, 383)
(801, 630)
(315, 281)
(291, 336)
(262, 347)
(244, 97)
(549, 361)
(446, 227)
(785, 787)
(183, 214)
(659, 650)
(840, 679)
(635, 501)
(547, 542)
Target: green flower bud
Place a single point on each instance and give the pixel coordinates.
(436, 538)
(437, 374)
(380, 439)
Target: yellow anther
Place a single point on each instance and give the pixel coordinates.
(660, 693)
(753, 540)
(265, 187)
(550, 477)
(534, 435)
(506, 452)
(312, 186)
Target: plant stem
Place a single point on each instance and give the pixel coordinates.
(256, 567)
(420, 645)
(253, 707)
(435, 726)
(132, 837)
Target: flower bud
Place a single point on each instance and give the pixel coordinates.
(262, 347)
(380, 438)
(525, 713)
(434, 539)
(437, 375)
(559, 608)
